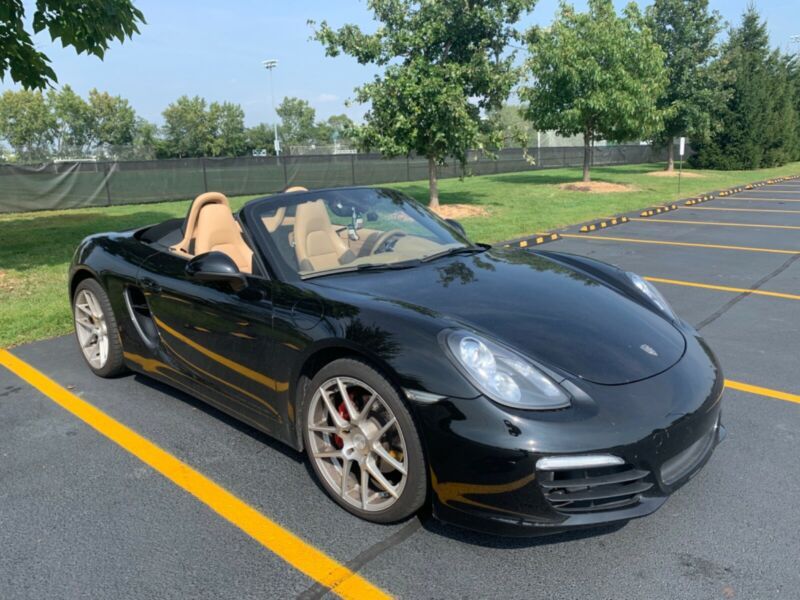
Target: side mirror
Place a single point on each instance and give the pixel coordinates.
(457, 226)
(218, 267)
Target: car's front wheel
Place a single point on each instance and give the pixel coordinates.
(96, 329)
(362, 442)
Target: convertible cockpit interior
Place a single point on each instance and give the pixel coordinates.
(310, 232)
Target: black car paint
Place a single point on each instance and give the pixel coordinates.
(245, 353)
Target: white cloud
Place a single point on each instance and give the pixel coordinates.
(327, 98)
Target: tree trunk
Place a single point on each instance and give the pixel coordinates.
(587, 155)
(671, 155)
(433, 186)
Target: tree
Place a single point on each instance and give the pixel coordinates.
(595, 74)
(756, 126)
(782, 130)
(337, 129)
(87, 25)
(112, 119)
(297, 122)
(26, 123)
(228, 134)
(261, 137)
(686, 30)
(73, 124)
(444, 64)
(145, 139)
(187, 128)
(511, 128)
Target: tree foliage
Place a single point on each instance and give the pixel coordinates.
(72, 119)
(88, 26)
(260, 137)
(596, 74)
(227, 129)
(757, 126)
(509, 128)
(337, 129)
(112, 121)
(297, 122)
(193, 128)
(26, 122)
(187, 128)
(686, 30)
(444, 62)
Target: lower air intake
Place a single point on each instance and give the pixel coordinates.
(594, 489)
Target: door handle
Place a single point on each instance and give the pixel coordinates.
(150, 285)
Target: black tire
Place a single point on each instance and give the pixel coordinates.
(414, 491)
(115, 363)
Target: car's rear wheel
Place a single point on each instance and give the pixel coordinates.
(96, 329)
(363, 444)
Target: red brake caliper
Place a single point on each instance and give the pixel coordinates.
(337, 441)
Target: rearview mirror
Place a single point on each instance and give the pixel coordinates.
(218, 267)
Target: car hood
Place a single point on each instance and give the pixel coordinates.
(553, 313)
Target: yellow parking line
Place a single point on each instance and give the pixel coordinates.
(758, 210)
(686, 244)
(774, 191)
(724, 288)
(754, 389)
(750, 198)
(720, 224)
(299, 554)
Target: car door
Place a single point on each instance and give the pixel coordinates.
(222, 339)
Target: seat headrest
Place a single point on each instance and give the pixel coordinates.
(190, 224)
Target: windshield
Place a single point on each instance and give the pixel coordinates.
(315, 233)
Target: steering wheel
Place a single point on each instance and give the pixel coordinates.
(384, 238)
(272, 223)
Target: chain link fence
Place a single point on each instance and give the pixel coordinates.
(60, 185)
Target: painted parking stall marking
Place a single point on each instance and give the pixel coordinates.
(685, 244)
(762, 391)
(301, 555)
(724, 288)
(755, 210)
(763, 199)
(717, 223)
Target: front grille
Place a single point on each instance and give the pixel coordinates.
(594, 489)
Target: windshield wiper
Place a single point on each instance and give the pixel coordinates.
(462, 250)
(403, 264)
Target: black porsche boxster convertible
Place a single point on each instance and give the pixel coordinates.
(517, 391)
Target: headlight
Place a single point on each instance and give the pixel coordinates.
(649, 290)
(504, 375)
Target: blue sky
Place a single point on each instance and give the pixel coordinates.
(214, 49)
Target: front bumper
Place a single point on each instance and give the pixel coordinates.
(483, 457)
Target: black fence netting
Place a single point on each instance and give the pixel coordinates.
(62, 185)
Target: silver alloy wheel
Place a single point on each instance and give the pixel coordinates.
(356, 443)
(91, 327)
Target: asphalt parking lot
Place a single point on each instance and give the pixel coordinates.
(81, 516)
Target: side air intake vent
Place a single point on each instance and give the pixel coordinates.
(140, 315)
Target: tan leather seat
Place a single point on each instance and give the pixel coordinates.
(317, 244)
(218, 231)
(186, 245)
(210, 226)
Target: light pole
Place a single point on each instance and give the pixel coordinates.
(269, 65)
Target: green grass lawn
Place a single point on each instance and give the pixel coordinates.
(35, 248)
(529, 202)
